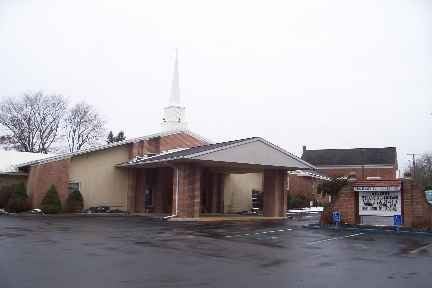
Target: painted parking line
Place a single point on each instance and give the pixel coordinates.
(420, 248)
(259, 233)
(335, 238)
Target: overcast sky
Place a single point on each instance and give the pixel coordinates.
(326, 74)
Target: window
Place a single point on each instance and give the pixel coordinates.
(73, 186)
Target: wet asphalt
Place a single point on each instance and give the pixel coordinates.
(52, 252)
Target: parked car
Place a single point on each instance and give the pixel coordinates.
(429, 196)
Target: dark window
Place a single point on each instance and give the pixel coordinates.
(148, 198)
(73, 186)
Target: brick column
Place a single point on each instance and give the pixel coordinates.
(140, 184)
(275, 194)
(132, 175)
(161, 201)
(188, 177)
(217, 193)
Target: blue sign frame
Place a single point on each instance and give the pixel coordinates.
(397, 220)
(336, 217)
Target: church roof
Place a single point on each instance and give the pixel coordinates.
(111, 145)
(356, 156)
(263, 154)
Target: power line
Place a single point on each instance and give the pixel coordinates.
(414, 163)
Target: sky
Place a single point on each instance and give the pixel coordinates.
(325, 74)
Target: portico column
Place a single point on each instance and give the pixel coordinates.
(186, 190)
(217, 193)
(131, 190)
(275, 194)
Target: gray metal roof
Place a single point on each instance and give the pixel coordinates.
(356, 156)
(111, 145)
(204, 152)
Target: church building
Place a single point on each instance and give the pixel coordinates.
(174, 173)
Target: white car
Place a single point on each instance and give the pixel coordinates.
(429, 196)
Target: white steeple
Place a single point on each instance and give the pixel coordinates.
(175, 86)
(174, 113)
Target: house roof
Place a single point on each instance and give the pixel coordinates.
(111, 145)
(200, 153)
(10, 160)
(356, 156)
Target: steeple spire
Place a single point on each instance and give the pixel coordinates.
(174, 113)
(175, 86)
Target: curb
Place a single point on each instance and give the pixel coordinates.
(386, 229)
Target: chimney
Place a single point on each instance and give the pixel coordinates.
(304, 149)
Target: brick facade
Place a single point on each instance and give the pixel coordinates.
(159, 144)
(416, 211)
(189, 190)
(7, 180)
(212, 192)
(346, 203)
(306, 187)
(42, 176)
(361, 173)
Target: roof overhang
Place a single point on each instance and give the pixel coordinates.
(243, 156)
(69, 155)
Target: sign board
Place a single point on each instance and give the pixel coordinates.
(397, 220)
(376, 188)
(380, 203)
(336, 217)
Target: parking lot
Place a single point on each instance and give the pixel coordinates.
(44, 251)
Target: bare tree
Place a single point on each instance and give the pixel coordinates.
(83, 126)
(7, 142)
(33, 120)
(423, 170)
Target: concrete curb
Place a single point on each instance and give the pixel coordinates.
(386, 229)
(220, 219)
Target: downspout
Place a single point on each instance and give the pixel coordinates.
(176, 196)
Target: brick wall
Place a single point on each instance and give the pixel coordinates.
(306, 187)
(158, 144)
(346, 202)
(417, 212)
(10, 179)
(212, 192)
(42, 176)
(362, 174)
(162, 195)
(144, 147)
(189, 190)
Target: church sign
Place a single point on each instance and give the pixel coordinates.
(379, 201)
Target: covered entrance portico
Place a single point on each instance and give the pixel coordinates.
(189, 183)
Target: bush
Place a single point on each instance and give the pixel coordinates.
(298, 201)
(74, 202)
(51, 202)
(18, 199)
(5, 193)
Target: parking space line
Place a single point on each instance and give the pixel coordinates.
(258, 233)
(336, 238)
(420, 248)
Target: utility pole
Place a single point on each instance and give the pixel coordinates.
(414, 164)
